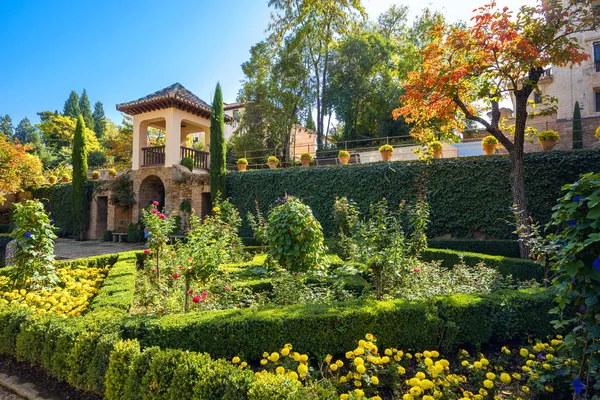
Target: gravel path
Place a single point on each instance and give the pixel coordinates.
(6, 395)
(68, 249)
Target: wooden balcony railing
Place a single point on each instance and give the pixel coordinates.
(200, 157)
(154, 155)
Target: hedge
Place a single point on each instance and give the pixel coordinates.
(497, 247)
(467, 195)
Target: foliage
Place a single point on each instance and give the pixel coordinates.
(158, 227)
(133, 235)
(58, 132)
(96, 158)
(346, 220)
(107, 236)
(86, 111)
(343, 153)
(545, 136)
(24, 130)
(99, 120)
(112, 172)
(187, 162)
(467, 195)
(34, 256)
(501, 53)
(18, 169)
(435, 145)
(242, 161)
(577, 128)
(577, 273)
(119, 142)
(494, 247)
(259, 225)
(121, 192)
(489, 140)
(95, 174)
(217, 146)
(6, 127)
(386, 148)
(273, 159)
(306, 156)
(71, 107)
(80, 170)
(295, 237)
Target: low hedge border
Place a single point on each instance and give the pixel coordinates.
(118, 288)
(519, 268)
(494, 247)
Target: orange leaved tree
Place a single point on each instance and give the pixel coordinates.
(502, 54)
(18, 169)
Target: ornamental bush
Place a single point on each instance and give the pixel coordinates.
(33, 260)
(545, 136)
(386, 148)
(187, 162)
(295, 237)
(489, 140)
(242, 161)
(343, 153)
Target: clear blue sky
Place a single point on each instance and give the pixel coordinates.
(119, 51)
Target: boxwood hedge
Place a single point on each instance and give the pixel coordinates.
(467, 195)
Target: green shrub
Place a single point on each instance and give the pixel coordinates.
(489, 140)
(133, 389)
(273, 387)
(493, 247)
(107, 236)
(188, 163)
(435, 145)
(132, 234)
(306, 156)
(547, 135)
(295, 237)
(119, 285)
(343, 153)
(242, 161)
(95, 174)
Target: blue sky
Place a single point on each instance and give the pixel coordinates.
(122, 50)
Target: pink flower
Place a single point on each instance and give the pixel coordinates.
(161, 216)
(181, 267)
(196, 299)
(154, 211)
(147, 251)
(153, 271)
(191, 292)
(416, 270)
(155, 202)
(204, 295)
(190, 259)
(334, 238)
(227, 287)
(176, 275)
(233, 244)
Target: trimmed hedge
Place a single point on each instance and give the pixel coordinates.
(520, 269)
(466, 195)
(497, 247)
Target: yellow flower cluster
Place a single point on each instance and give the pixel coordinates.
(284, 362)
(70, 298)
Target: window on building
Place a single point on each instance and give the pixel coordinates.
(537, 98)
(597, 56)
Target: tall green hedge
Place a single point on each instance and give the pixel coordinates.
(468, 195)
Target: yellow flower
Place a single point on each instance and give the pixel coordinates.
(414, 382)
(285, 352)
(465, 363)
(302, 369)
(490, 376)
(505, 378)
(437, 394)
(549, 356)
(546, 366)
(401, 370)
(427, 354)
(549, 389)
(344, 396)
(427, 397)
(244, 364)
(375, 380)
(435, 354)
(369, 337)
(445, 363)
(357, 383)
(333, 367)
(484, 362)
(525, 389)
(387, 352)
(359, 361)
(408, 397)
(304, 358)
(483, 392)
(217, 210)
(349, 354)
(274, 357)
(280, 370)
(420, 375)
(361, 369)
(339, 363)
(428, 361)
(516, 375)
(359, 351)
(523, 352)
(525, 368)
(416, 391)
(488, 384)
(477, 365)
(263, 362)
(426, 384)
(235, 360)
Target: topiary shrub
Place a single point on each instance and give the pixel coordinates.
(119, 366)
(489, 140)
(188, 163)
(295, 237)
(107, 236)
(386, 148)
(132, 234)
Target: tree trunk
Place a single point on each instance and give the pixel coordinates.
(517, 171)
(378, 289)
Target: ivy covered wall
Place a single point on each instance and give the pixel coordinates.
(468, 196)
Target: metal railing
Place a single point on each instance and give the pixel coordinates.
(153, 155)
(201, 158)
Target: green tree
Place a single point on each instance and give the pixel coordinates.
(71, 108)
(24, 130)
(58, 131)
(99, 120)
(86, 110)
(577, 129)
(310, 122)
(79, 184)
(217, 146)
(313, 26)
(6, 126)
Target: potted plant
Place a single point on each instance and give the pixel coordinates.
(242, 163)
(437, 149)
(95, 175)
(386, 152)
(597, 133)
(344, 156)
(112, 173)
(305, 158)
(547, 139)
(273, 161)
(489, 144)
(65, 177)
(52, 179)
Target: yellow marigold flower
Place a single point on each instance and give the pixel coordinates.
(358, 361)
(385, 359)
(274, 356)
(484, 362)
(465, 363)
(339, 363)
(426, 384)
(369, 337)
(304, 358)
(343, 379)
(505, 350)
(428, 361)
(444, 363)
(466, 353)
(420, 375)
(427, 353)
(349, 354)
(525, 389)
(361, 343)
(333, 367)
(375, 380)
(235, 360)
(529, 363)
(357, 383)
(490, 376)
(477, 365)
(401, 370)
(409, 356)
(416, 391)
(361, 369)
(549, 356)
(483, 392)
(478, 397)
(280, 370)
(408, 397)
(546, 366)
(524, 352)
(555, 342)
(488, 384)
(414, 381)
(387, 352)
(418, 355)
(302, 369)
(359, 351)
(549, 389)
(344, 396)
(285, 352)
(516, 375)
(525, 368)
(263, 362)
(244, 364)
(505, 378)
(427, 397)
(216, 209)
(376, 398)
(559, 337)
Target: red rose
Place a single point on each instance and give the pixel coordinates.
(147, 251)
(176, 275)
(154, 211)
(416, 270)
(196, 299)
(155, 202)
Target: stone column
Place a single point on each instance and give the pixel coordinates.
(172, 139)
(140, 139)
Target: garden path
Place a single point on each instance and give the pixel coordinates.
(68, 249)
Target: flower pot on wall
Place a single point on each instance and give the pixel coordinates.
(305, 162)
(547, 145)
(489, 149)
(386, 155)
(242, 167)
(438, 152)
(344, 159)
(272, 164)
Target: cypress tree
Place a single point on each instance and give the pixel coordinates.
(217, 147)
(310, 123)
(24, 130)
(99, 120)
(71, 107)
(577, 129)
(79, 183)
(86, 110)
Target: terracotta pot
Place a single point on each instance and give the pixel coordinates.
(242, 167)
(344, 159)
(547, 145)
(489, 149)
(305, 162)
(65, 179)
(437, 153)
(272, 164)
(386, 155)
(95, 178)
(52, 180)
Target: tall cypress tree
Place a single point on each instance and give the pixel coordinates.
(79, 184)
(24, 130)
(310, 123)
(217, 146)
(577, 129)
(71, 107)
(86, 110)
(99, 120)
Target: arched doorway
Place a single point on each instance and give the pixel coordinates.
(151, 189)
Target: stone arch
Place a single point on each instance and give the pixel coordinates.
(152, 189)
